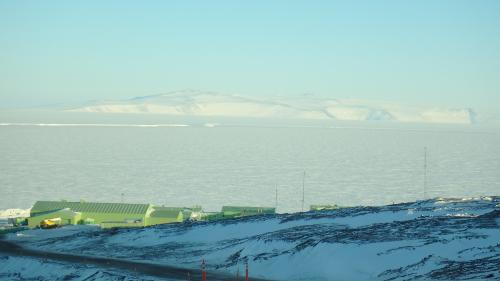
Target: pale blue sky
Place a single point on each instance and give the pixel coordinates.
(428, 52)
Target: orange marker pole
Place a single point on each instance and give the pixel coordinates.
(246, 271)
(203, 273)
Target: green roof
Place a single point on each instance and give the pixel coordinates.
(52, 211)
(163, 208)
(90, 207)
(166, 212)
(183, 209)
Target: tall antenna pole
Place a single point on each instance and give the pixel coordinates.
(425, 172)
(303, 189)
(276, 199)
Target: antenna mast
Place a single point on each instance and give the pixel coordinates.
(276, 199)
(303, 189)
(425, 172)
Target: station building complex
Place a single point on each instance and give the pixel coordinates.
(112, 215)
(107, 215)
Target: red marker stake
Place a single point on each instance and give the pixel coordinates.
(246, 271)
(203, 273)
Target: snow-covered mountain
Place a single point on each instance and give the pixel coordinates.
(439, 239)
(199, 103)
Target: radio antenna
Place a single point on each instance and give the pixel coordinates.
(303, 189)
(276, 199)
(425, 173)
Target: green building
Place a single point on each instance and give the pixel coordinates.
(17, 221)
(212, 216)
(161, 215)
(66, 215)
(106, 215)
(240, 211)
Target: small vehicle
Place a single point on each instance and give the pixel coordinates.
(50, 223)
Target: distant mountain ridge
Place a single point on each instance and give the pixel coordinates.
(204, 103)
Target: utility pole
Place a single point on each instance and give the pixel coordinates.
(303, 189)
(425, 172)
(276, 199)
(122, 195)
